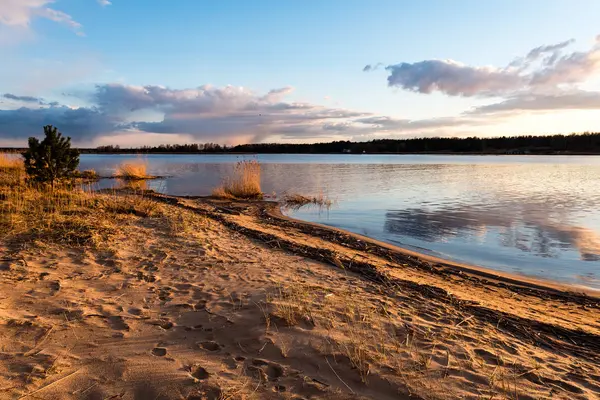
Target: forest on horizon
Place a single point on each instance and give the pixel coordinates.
(582, 143)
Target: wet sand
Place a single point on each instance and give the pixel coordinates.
(225, 300)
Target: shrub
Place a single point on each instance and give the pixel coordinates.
(51, 159)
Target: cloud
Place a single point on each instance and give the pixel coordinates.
(574, 100)
(19, 14)
(25, 99)
(372, 67)
(453, 78)
(217, 114)
(62, 18)
(544, 68)
(553, 49)
(232, 114)
(80, 123)
(104, 3)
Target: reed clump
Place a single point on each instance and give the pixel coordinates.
(243, 184)
(296, 201)
(133, 170)
(88, 174)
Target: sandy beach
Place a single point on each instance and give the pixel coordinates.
(196, 298)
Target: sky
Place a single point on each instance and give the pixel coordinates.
(133, 72)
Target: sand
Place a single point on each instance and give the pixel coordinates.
(228, 300)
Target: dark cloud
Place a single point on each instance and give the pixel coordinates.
(25, 99)
(453, 78)
(79, 123)
(372, 67)
(544, 68)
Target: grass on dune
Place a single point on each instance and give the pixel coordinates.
(66, 214)
(69, 212)
(243, 184)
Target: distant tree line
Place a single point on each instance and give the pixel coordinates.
(583, 143)
(163, 148)
(588, 143)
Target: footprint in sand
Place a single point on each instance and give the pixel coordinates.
(147, 278)
(135, 311)
(184, 306)
(200, 373)
(116, 322)
(159, 351)
(488, 357)
(164, 294)
(273, 371)
(201, 305)
(54, 286)
(210, 346)
(165, 324)
(69, 315)
(230, 363)
(207, 393)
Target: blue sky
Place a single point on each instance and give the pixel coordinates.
(136, 72)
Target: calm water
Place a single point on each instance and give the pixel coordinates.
(532, 215)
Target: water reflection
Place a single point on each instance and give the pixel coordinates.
(526, 231)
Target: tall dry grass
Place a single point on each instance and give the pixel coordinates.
(133, 170)
(69, 212)
(244, 182)
(12, 169)
(10, 161)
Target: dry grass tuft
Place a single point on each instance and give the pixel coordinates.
(88, 174)
(244, 184)
(129, 204)
(296, 201)
(133, 170)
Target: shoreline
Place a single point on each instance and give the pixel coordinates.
(273, 210)
(476, 270)
(136, 294)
